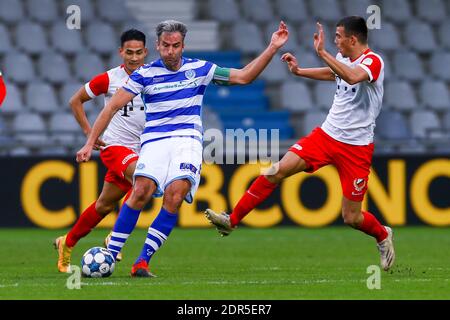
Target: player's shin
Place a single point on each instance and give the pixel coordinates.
(125, 223)
(259, 191)
(371, 226)
(88, 220)
(157, 234)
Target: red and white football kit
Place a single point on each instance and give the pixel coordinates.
(346, 137)
(122, 136)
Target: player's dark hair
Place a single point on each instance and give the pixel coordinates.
(355, 26)
(171, 26)
(132, 34)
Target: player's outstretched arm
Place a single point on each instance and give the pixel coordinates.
(118, 100)
(254, 68)
(349, 75)
(311, 73)
(76, 104)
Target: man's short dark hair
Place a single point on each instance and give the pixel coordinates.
(132, 34)
(354, 26)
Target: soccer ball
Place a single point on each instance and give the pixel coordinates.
(97, 262)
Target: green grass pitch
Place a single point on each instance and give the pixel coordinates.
(290, 263)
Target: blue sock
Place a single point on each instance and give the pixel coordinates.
(158, 233)
(123, 227)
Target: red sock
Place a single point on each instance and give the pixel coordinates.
(373, 227)
(259, 191)
(86, 222)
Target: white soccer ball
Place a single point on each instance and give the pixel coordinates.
(97, 262)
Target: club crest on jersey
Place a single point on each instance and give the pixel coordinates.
(140, 166)
(359, 184)
(188, 166)
(190, 74)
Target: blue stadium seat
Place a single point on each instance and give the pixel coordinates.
(295, 96)
(42, 11)
(435, 95)
(400, 95)
(31, 37)
(432, 11)
(20, 152)
(424, 124)
(408, 66)
(64, 128)
(86, 9)
(326, 10)
(293, 11)
(444, 35)
(392, 125)
(312, 120)
(30, 129)
(324, 92)
(225, 11)
(87, 65)
(259, 11)
(13, 103)
(420, 37)
(65, 40)
(19, 68)
(440, 65)
(54, 151)
(53, 68)
(446, 121)
(102, 39)
(276, 71)
(11, 12)
(386, 38)
(41, 98)
(5, 41)
(357, 7)
(398, 11)
(229, 59)
(114, 11)
(247, 38)
(67, 91)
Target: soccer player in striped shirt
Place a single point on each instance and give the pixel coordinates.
(344, 140)
(119, 146)
(171, 155)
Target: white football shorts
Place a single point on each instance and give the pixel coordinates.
(171, 159)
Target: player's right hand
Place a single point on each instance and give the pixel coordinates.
(84, 154)
(99, 144)
(291, 61)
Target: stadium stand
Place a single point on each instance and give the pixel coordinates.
(44, 63)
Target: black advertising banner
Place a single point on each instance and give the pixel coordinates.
(52, 192)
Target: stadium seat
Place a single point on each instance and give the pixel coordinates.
(19, 68)
(276, 71)
(102, 39)
(357, 7)
(11, 12)
(41, 98)
(86, 7)
(229, 59)
(31, 38)
(65, 40)
(312, 120)
(398, 11)
(386, 38)
(424, 124)
(225, 11)
(294, 11)
(42, 11)
(440, 65)
(29, 129)
(400, 95)
(5, 41)
(211, 119)
(296, 96)
(87, 65)
(392, 125)
(308, 59)
(64, 128)
(435, 95)
(408, 66)
(412, 147)
(419, 37)
(13, 103)
(324, 92)
(446, 121)
(432, 11)
(444, 35)
(259, 11)
(326, 10)
(53, 68)
(114, 11)
(54, 151)
(247, 38)
(20, 152)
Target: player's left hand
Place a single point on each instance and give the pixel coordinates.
(84, 154)
(319, 40)
(280, 37)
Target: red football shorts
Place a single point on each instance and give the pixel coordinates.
(117, 159)
(352, 162)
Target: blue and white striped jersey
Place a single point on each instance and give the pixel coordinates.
(173, 99)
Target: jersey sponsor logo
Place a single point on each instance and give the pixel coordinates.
(359, 184)
(297, 146)
(128, 157)
(368, 61)
(140, 166)
(188, 166)
(190, 74)
(158, 79)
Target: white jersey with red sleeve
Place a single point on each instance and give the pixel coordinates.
(351, 118)
(128, 123)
